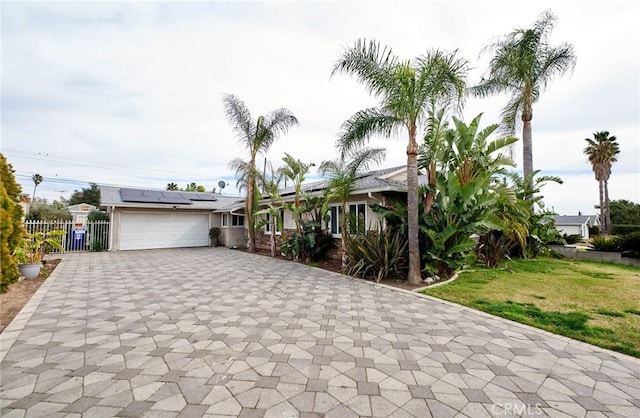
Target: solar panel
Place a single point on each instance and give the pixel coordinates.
(175, 200)
(203, 197)
(152, 196)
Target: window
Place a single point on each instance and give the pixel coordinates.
(358, 217)
(267, 226)
(225, 220)
(334, 222)
(237, 220)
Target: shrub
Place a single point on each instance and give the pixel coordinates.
(214, 234)
(594, 230)
(629, 245)
(377, 254)
(96, 215)
(96, 246)
(604, 244)
(11, 230)
(573, 238)
(493, 248)
(624, 229)
(311, 245)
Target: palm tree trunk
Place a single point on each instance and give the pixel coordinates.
(249, 209)
(414, 276)
(527, 146)
(343, 231)
(603, 221)
(607, 212)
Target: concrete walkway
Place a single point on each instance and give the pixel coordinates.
(217, 332)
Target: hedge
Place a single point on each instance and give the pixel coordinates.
(624, 229)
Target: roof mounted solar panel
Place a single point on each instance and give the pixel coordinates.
(203, 197)
(151, 196)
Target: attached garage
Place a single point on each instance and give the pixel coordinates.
(145, 230)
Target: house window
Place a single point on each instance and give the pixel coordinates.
(225, 220)
(358, 217)
(267, 226)
(334, 221)
(237, 220)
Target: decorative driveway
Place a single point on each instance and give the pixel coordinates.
(217, 332)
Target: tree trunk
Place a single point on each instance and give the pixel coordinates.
(414, 276)
(603, 221)
(607, 212)
(527, 145)
(343, 232)
(251, 182)
(272, 239)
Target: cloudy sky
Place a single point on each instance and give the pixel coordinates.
(131, 93)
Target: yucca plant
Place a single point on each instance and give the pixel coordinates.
(377, 254)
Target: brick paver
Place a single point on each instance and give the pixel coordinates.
(217, 332)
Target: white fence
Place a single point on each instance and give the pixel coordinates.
(93, 236)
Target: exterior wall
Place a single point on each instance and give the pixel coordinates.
(115, 230)
(581, 230)
(230, 236)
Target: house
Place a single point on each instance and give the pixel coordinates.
(80, 212)
(146, 218)
(577, 225)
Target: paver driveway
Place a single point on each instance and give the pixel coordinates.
(214, 332)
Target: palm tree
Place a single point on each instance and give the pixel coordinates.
(408, 90)
(172, 186)
(342, 175)
(37, 179)
(523, 65)
(601, 152)
(256, 136)
(295, 170)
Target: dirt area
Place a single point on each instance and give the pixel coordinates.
(335, 265)
(19, 293)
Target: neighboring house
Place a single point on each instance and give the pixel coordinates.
(80, 212)
(577, 225)
(25, 203)
(146, 219)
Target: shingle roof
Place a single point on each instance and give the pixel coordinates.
(110, 196)
(572, 220)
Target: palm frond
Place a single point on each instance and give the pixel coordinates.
(240, 119)
(357, 130)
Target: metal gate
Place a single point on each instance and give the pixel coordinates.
(92, 236)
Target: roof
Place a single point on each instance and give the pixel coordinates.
(112, 196)
(572, 220)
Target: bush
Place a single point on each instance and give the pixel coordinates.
(96, 215)
(624, 229)
(11, 230)
(604, 244)
(313, 244)
(594, 230)
(493, 248)
(573, 238)
(214, 234)
(629, 245)
(377, 254)
(96, 246)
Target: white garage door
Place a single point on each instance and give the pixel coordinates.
(139, 231)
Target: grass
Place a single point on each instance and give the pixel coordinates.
(593, 302)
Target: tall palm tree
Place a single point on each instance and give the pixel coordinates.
(37, 179)
(601, 152)
(523, 65)
(256, 136)
(295, 170)
(343, 174)
(407, 91)
(172, 187)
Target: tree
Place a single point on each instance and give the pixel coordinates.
(41, 210)
(271, 187)
(407, 90)
(343, 174)
(90, 196)
(193, 187)
(37, 179)
(172, 187)
(601, 152)
(624, 212)
(523, 65)
(11, 231)
(295, 170)
(256, 136)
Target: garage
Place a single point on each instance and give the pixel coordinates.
(147, 230)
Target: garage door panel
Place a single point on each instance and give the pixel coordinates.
(163, 230)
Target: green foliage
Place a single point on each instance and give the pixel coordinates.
(624, 229)
(41, 210)
(595, 230)
(96, 215)
(214, 235)
(380, 254)
(493, 248)
(629, 245)
(310, 245)
(35, 246)
(624, 212)
(604, 244)
(96, 246)
(11, 230)
(90, 195)
(572, 239)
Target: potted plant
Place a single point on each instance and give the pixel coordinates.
(34, 247)
(214, 234)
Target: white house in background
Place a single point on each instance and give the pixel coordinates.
(146, 219)
(80, 212)
(577, 225)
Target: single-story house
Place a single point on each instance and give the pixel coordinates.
(146, 219)
(576, 225)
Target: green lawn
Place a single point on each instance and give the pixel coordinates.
(588, 301)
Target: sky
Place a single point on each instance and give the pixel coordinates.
(130, 93)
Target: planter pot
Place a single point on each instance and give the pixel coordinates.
(29, 271)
